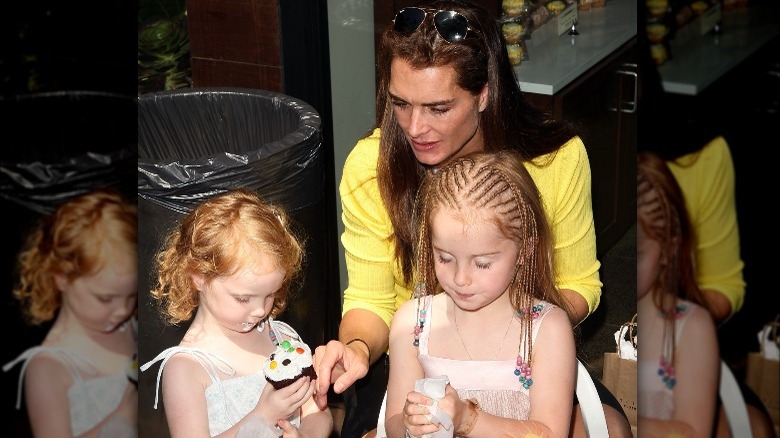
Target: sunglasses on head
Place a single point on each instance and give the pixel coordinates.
(451, 25)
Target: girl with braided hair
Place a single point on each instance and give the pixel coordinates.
(679, 359)
(487, 315)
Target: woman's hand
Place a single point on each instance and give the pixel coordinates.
(339, 364)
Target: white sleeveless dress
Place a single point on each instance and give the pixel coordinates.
(227, 400)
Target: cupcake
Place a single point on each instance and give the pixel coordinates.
(657, 8)
(513, 8)
(556, 7)
(132, 369)
(656, 32)
(513, 32)
(289, 362)
(515, 52)
(699, 7)
(659, 54)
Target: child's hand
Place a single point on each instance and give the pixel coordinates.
(276, 404)
(415, 414)
(289, 430)
(122, 423)
(128, 407)
(453, 405)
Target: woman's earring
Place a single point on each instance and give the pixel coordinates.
(261, 326)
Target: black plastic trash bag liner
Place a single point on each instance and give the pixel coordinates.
(58, 145)
(199, 142)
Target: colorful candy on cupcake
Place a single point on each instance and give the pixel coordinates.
(289, 362)
(132, 369)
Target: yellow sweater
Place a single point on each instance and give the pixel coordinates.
(375, 283)
(706, 178)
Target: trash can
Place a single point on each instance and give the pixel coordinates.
(199, 142)
(56, 145)
(60, 144)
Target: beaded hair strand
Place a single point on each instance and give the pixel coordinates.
(663, 225)
(662, 213)
(483, 181)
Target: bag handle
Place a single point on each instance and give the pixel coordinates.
(775, 329)
(770, 332)
(631, 329)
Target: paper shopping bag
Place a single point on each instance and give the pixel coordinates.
(619, 376)
(619, 372)
(763, 370)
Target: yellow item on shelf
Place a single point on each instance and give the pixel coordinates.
(556, 6)
(515, 52)
(656, 32)
(659, 53)
(699, 7)
(513, 8)
(657, 8)
(513, 32)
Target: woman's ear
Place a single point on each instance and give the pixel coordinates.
(483, 98)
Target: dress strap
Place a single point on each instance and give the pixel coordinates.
(538, 321)
(686, 308)
(212, 363)
(279, 328)
(74, 363)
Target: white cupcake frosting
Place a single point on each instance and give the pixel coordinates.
(288, 361)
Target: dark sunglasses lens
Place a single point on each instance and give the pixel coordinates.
(451, 25)
(407, 20)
